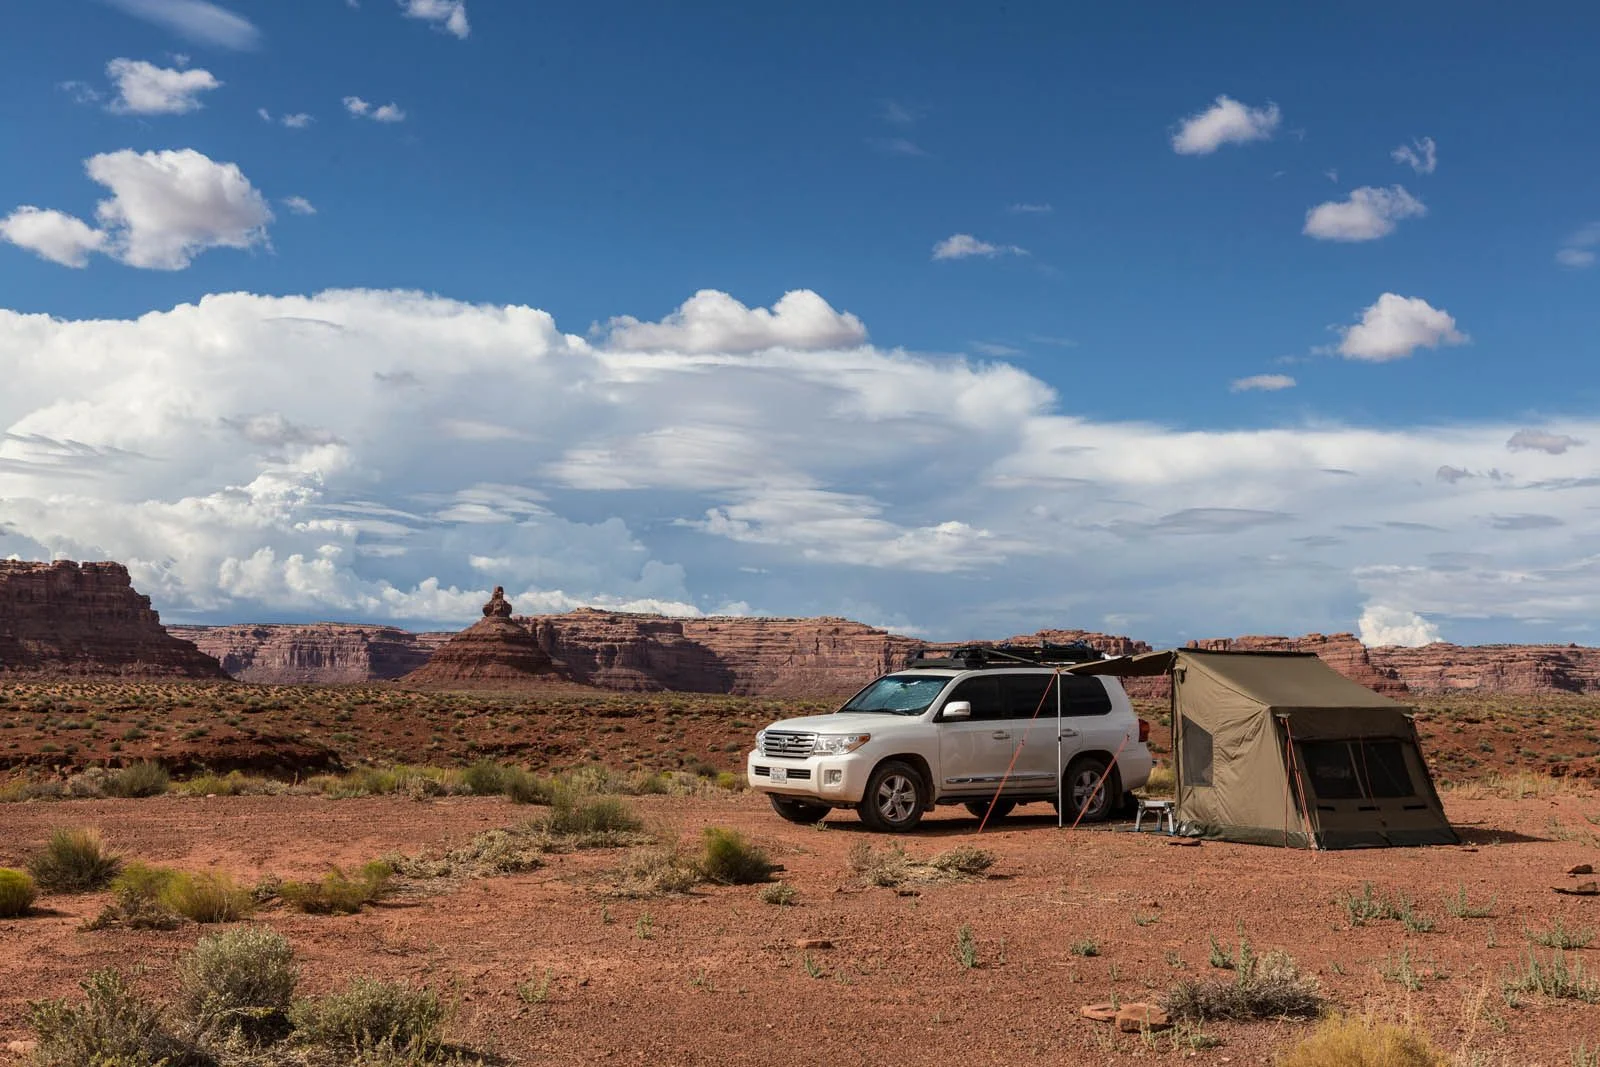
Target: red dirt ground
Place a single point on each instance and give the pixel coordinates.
(721, 981)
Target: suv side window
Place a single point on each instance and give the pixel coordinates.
(988, 702)
(1084, 696)
(1025, 693)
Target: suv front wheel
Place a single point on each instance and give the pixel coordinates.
(893, 800)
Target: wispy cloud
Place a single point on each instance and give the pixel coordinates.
(897, 146)
(299, 205)
(195, 20)
(362, 109)
(893, 111)
(1553, 444)
(1030, 209)
(1268, 383)
(1421, 155)
(448, 16)
(1578, 250)
(964, 246)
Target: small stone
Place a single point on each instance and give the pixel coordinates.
(813, 942)
(1100, 1013)
(1184, 842)
(1133, 1018)
(908, 892)
(1582, 868)
(1582, 889)
(21, 1048)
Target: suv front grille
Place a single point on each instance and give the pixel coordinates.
(790, 743)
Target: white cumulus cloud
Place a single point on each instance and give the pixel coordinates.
(713, 321)
(964, 246)
(146, 89)
(1384, 625)
(449, 16)
(165, 208)
(58, 237)
(1369, 213)
(1225, 122)
(1262, 382)
(359, 108)
(1421, 155)
(1395, 326)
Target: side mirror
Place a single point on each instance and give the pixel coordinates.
(956, 711)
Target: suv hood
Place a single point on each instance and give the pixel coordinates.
(843, 722)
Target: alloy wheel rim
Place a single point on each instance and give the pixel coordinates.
(897, 798)
(1083, 788)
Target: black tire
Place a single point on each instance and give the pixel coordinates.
(998, 809)
(893, 802)
(798, 810)
(1080, 777)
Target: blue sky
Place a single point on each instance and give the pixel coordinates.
(1102, 448)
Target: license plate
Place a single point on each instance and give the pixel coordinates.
(780, 775)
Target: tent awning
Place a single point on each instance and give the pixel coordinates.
(1144, 665)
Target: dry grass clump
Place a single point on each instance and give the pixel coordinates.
(338, 894)
(74, 861)
(155, 898)
(207, 897)
(657, 871)
(781, 893)
(1268, 987)
(728, 858)
(1347, 1042)
(236, 1007)
(17, 893)
(1519, 785)
(890, 866)
(143, 779)
(232, 784)
(1163, 782)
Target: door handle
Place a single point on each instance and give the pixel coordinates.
(1069, 733)
(1001, 735)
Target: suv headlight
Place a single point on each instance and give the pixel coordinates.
(838, 744)
(761, 740)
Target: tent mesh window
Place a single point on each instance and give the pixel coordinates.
(1196, 754)
(1357, 770)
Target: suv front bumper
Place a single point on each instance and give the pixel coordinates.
(829, 779)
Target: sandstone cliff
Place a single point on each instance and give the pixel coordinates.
(86, 619)
(1446, 668)
(745, 656)
(313, 653)
(493, 651)
(1343, 652)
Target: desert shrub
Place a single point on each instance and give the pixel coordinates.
(651, 872)
(1347, 1042)
(890, 867)
(1265, 988)
(521, 787)
(728, 857)
(74, 861)
(1558, 936)
(17, 893)
(144, 779)
(238, 982)
(369, 1014)
(136, 903)
(778, 893)
(963, 859)
(337, 894)
(20, 789)
(576, 815)
(1162, 782)
(485, 778)
(495, 852)
(232, 784)
(206, 897)
(113, 1027)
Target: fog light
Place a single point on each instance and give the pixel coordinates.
(832, 777)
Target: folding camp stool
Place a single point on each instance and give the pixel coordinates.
(1159, 809)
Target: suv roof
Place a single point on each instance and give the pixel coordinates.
(984, 657)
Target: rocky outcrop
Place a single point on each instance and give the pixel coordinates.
(817, 657)
(1343, 652)
(313, 653)
(86, 619)
(1447, 668)
(494, 651)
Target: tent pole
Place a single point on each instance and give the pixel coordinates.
(1172, 720)
(1061, 815)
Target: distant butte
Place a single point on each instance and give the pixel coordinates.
(492, 651)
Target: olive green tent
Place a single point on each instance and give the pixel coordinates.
(1278, 748)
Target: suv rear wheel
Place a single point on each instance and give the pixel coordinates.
(1083, 774)
(798, 810)
(992, 809)
(893, 801)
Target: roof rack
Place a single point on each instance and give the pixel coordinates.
(982, 657)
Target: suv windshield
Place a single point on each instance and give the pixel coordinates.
(901, 694)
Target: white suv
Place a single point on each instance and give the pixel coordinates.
(947, 735)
